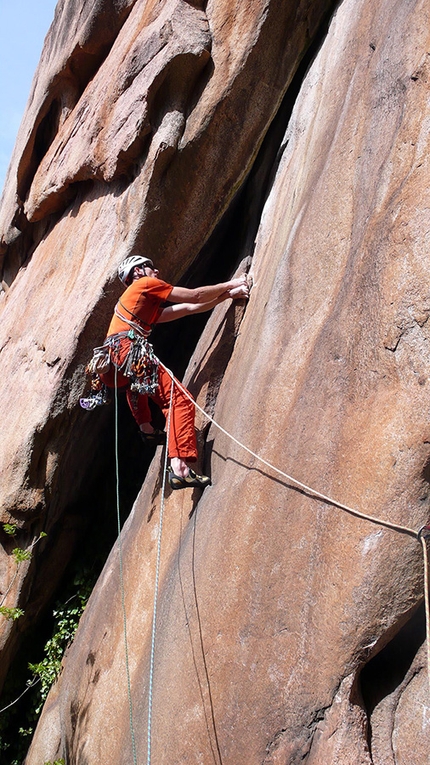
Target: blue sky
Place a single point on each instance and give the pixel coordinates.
(23, 26)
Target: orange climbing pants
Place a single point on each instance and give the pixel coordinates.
(182, 436)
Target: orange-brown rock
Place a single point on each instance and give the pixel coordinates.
(76, 201)
(288, 630)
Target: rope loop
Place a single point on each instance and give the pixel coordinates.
(156, 586)
(122, 588)
(421, 535)
(424, 532)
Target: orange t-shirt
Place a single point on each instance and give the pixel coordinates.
(143, 298)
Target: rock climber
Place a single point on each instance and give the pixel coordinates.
(141, 306)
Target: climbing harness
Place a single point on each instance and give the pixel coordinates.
(140, 366)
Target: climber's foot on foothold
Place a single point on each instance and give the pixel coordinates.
(190, 480)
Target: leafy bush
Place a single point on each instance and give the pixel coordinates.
(11, 613)
(15, 738)
(66, 616)
(10, 529)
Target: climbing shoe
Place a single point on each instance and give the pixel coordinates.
(192, 479)
(156, 438)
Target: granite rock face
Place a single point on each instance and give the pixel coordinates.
(76, 202)
(288, 630)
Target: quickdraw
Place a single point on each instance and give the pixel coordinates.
(140, 366)
(98, 395)
(100, 362)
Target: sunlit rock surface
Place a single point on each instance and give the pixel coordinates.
(202, 86)
(287, 629)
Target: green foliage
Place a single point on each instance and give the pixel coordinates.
(66, 617)
(11, 613)
(57, 762)
(48, 670)
(21, 555)
(15, 738)
(10, 529)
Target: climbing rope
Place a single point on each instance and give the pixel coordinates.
(157, 577)
(121, 579)
(291, 479)
(421, 535)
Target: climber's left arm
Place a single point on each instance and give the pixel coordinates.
(178, 310)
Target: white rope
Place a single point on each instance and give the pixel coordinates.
(156, 583)
(420, 535)
(291, 479)
(422, 538)
(121, 579)
(308, 489)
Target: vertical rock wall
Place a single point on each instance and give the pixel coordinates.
(287, 629)
(137, 134)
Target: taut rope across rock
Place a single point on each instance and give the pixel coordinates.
(421, 535)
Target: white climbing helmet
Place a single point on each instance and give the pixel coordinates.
(126, 267)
